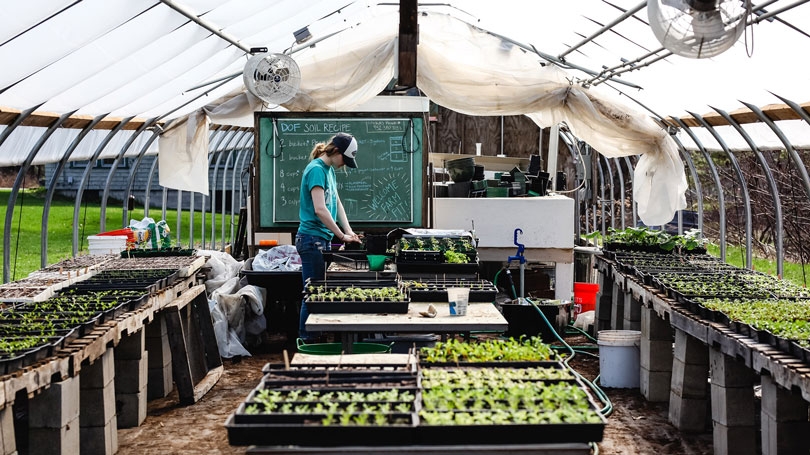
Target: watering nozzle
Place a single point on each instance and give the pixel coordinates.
(519, 255)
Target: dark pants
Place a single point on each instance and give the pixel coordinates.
(311, 249)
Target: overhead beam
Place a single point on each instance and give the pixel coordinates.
(774, 112)
(408, 39)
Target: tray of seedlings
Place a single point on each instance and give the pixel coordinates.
(509, 352)
(363, 413)
(150, 281)
(319, 378)
(435, 290)
(505, 405)
(356, 299)
(436, 254)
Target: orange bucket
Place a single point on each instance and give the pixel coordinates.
(125, 231)
(584, 297)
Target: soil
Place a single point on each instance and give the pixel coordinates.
(634, 427)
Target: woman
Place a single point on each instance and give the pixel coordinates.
(320, 210)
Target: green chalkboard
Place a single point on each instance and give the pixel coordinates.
(386, 188)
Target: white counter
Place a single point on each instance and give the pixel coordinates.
(547, 223)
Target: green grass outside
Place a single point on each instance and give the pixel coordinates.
(27, 224)
(735, 255)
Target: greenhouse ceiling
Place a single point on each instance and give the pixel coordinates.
(158, 60)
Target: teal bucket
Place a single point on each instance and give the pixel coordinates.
(337, 348)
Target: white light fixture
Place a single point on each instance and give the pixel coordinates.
(697, 28)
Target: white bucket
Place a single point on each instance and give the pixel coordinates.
(619, 358)
(106, 244)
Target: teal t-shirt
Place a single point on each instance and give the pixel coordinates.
(317, 173)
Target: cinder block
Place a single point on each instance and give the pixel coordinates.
(784, 437)
(56, 406)
(687, 414)
(131, 346)
(47, 441)
(655, 385)
(781, 404)
(98, 406)
(689, 381)
(631, 325)
(157, 328)
(100, 373)
(655, 355)
(160, 382)
(632, 308)
(100, 440)
(655, 327)
(726, 371)
(131, 375)
(689, 349)
(733, 406)
(8, 445)
(160, 351)
(131, 409)
(734, 440)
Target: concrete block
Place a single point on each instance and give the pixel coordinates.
(655, 355)
(160, 382)
(733, 406)
(131, 346)
(100, 440)
(727, 371)
(56, 406)
(604, 304)
(131, 409)
(617, 314)
(8, 445)
(632, 309)
(687, 414)
(780, 404)
(100, 373)
(157, 328)
(160, 351)
(689, 349)
(784, 437)
(131, 375)
(631, 325)
(98, 406)
(47, 441)
(655, 385)
(734, 440)
(654, 327)
(689, 381)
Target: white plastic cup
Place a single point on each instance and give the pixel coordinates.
(478, 149)
(457, 299)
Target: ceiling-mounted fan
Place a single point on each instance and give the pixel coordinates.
(273, 78)
(697, 28)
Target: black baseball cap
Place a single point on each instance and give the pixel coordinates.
(347, 145)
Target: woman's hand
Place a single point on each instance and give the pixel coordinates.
(350, 237)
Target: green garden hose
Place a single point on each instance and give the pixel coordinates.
(600, 394)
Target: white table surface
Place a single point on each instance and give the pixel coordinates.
(479, 317)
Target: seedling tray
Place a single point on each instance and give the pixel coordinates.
(509, 434)
(437, 291)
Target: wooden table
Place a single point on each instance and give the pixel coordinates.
(482, 317)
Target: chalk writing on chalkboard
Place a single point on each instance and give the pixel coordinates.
(385, 188)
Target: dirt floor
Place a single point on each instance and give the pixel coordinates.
(634, 427)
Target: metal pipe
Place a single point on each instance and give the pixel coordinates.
(749, 261)
(232, 134)
(134, 170)
(114, 166)
(85, 179)
(238, 138)
(241, 151)
(721, 201)
(602, 192)
(632, 201)
(698, 186)
(773, 13)
(211, 152)
(12, 197)
(621, 189)
(774, 190)
(609, 170)
(148, 191)
(214, 29)
(797, 160)
(604, 28)
(46, 208)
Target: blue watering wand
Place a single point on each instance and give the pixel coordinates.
(522, 260)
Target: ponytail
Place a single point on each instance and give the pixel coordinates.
(322, 148)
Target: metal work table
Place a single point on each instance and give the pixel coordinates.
(480, 317)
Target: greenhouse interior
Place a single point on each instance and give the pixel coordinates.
(448, 227)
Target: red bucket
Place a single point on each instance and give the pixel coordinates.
(584, 297)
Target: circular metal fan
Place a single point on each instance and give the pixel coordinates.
(697, 28)
(273, 78)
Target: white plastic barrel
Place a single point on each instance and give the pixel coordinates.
(619, 358)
